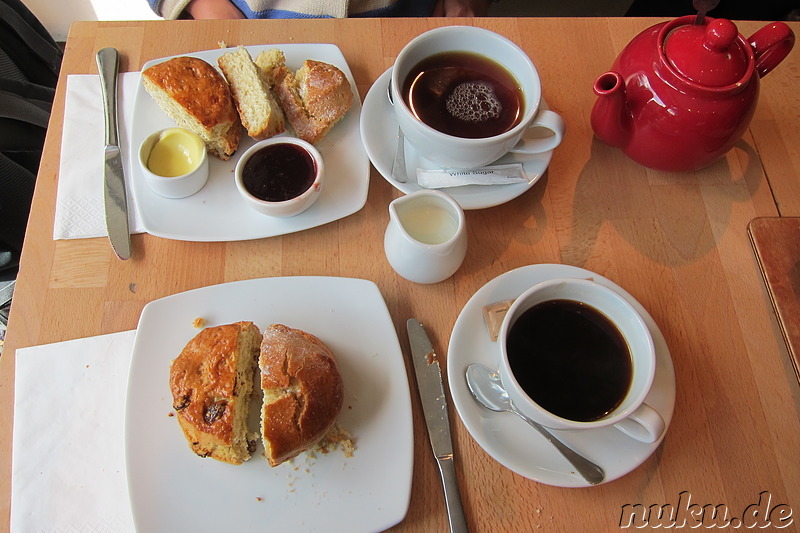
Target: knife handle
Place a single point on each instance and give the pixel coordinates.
(108, 67)
(452, 497)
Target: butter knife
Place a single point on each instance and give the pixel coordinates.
(114, 195)
(434, 405)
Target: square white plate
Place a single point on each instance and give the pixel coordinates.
(172, 489)
(217, 212)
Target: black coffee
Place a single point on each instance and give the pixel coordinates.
(570, 359)
(464, 95)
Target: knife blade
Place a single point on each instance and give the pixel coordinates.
(114, 194)
(434, 406)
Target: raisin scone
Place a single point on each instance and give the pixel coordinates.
(303, 392)
(211, 383)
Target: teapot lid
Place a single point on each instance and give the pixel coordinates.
(707, 54)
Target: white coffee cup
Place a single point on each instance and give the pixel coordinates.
(632, 415)
(465, 153)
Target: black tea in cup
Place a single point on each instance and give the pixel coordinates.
(464, 94)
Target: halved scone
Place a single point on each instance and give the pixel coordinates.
(303, 392)
(197, 98)
(313, 99)
(211, 383)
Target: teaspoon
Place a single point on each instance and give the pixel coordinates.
(399, 163)
(703, 7)
(485, 386)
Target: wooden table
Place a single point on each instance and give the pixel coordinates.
(677, 242)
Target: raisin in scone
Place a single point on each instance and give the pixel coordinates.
(211, 383)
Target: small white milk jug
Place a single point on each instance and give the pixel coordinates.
(426, 239)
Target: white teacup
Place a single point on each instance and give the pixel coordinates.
(631, 415)
(465, 153)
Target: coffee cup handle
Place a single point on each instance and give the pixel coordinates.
(645, 424)
(544, 120)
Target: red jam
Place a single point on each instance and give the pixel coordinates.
(279, 172)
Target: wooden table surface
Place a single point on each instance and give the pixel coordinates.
(677, 242)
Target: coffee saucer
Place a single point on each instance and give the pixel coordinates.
(379, 135)
(506, 437)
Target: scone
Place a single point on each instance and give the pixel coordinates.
(211, 383)
(196, 96)
(271, 62)
(303, 392)
(313, 99)
(258, 110)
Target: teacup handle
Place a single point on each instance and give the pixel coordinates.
(645, 424)
(545, 119)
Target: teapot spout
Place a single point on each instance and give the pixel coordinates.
(611, 116)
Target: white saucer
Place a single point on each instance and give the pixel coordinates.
(506, 437)
(379, 134)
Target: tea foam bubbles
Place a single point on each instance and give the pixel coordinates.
(474, 101)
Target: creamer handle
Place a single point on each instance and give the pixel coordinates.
(771, 44)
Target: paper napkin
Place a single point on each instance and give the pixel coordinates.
(79, 202)
(68, 465)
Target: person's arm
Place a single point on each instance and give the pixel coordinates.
(461, 8)
(213, 9)
(154, 6)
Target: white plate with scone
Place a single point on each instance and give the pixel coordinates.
(217, 212)
(173, 489)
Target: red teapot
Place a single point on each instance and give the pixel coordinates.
(681, 94)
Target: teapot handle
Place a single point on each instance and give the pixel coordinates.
(771, 44)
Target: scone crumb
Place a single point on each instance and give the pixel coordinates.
(199, 322)
(222, 44)
(337, 437)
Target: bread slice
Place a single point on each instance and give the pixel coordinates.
(303, 392)
(258, 110)
(314, 98)
(211, 383)
(195, 95)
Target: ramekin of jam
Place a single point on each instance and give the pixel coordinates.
(174, 162)
(281, 176)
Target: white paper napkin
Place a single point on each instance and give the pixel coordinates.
(68, 465)
(79, 202)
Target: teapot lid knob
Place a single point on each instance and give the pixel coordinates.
(720, 35)
(707, 54)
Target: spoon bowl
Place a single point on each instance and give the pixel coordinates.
(486, 388)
